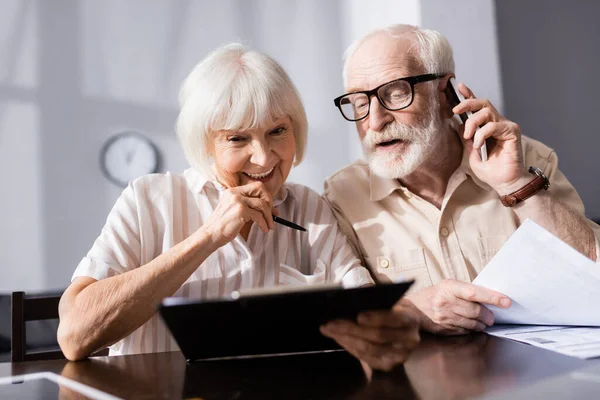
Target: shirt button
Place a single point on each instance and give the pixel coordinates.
(444, 232)
(408, 195)
(384, 263)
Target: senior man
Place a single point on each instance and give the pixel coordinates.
(424, 205)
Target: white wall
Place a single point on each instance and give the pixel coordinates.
(21, 196)
(73, 72)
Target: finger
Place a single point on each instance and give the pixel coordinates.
(453, 331)
(498, 130)
(384, 362)
(465, 91)
(256, 216)
(478, 119)
(467, 323)
(446, 330)
(448, 317)
(405, 338)
(474, 105)
(489, 130)
(478, 294)
(364, 349)
(263, 207)
(471, 310)
(348, 328)
(256, 189)
(442, 328)
(399, 317)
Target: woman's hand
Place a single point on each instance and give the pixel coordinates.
(238, 206)
(381, 339)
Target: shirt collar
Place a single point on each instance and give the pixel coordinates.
(196, 181)
(383, 187)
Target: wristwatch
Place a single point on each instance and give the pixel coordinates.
(538, 183)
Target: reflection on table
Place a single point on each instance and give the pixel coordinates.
(441, 368)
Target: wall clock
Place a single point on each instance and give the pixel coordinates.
(128, 155)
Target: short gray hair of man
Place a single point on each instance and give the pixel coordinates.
(429, 48)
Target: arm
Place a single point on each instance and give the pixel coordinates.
(97, 313)
(559, 210)
(505, 171)
(558, 218)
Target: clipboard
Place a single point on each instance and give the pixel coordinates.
(267, 324)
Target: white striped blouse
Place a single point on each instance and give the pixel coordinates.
(157, 211)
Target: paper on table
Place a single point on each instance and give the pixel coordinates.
(582, 342)
(549, 282)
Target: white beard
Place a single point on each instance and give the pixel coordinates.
(420, 143)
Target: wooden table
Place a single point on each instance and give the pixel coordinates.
(441, 368)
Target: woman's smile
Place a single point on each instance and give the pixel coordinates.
(262, 177)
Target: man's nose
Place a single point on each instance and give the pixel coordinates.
(379, 116)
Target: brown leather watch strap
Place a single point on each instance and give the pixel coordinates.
(538, 183)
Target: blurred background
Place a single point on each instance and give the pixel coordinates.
(75, 72)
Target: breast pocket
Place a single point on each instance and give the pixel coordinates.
(401, 265)
(488, 247)
(291, 276)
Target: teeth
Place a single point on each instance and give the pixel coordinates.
(258, 176)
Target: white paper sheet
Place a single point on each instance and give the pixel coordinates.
(582, 342)
(549, 282)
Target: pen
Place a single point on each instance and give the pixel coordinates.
(288, 223)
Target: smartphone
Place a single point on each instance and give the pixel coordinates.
(455, 98)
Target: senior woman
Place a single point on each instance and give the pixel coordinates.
(210, 230)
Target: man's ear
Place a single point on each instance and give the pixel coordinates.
(444, 98)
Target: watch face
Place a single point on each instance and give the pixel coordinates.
(127, 156)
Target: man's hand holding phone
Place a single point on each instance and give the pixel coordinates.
(503, 170)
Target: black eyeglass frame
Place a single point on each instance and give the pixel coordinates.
(412, 81)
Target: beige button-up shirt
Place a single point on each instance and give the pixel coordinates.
(401, 236)
(157, 211)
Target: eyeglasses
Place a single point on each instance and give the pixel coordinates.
(394, 96)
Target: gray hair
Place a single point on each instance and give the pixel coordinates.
(234, 88)
(429, 48)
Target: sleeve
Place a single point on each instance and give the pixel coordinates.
(117, 249)
(563, 191)
(330, 247)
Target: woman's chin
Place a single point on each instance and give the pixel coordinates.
(274, 186)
